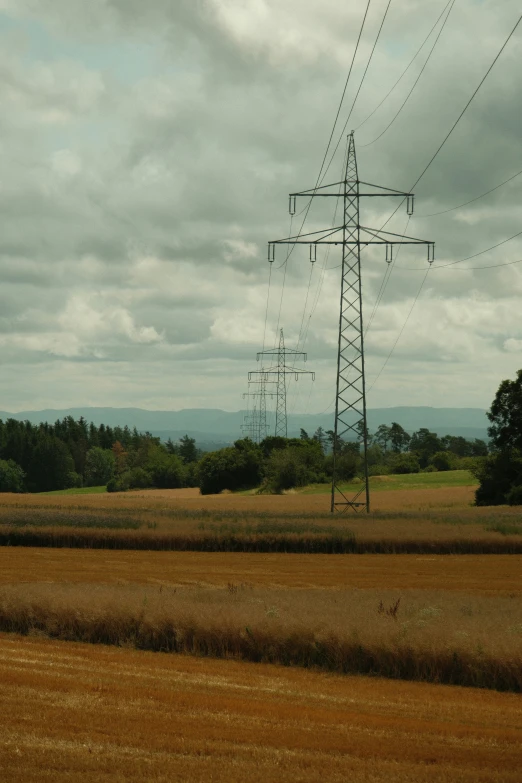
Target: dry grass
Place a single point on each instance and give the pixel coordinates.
(481, 574)
(384, 500)
(430, 521)
(94, 715)
(421, 635)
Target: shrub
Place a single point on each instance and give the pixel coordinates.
(139, 478)
(378, 470)
(429, 469)
(168, 472)
(119, 483)
(514, 496)
(469, 463)
(74, 480)
(345, 466)
(404, 463)
(236, 467)
(287, 468)
(443, 460)
(11, 476)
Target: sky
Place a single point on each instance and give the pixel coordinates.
(146, 155)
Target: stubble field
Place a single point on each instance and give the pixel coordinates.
(94, 714)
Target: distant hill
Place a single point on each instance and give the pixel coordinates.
(213, 428)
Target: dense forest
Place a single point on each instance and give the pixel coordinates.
(70, 453)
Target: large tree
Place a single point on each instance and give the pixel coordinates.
(399, 438)
(382, 436)
(500, 475)
(425, 444)
(505, 415)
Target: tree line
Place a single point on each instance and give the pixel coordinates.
(277, 464)
(70, 453)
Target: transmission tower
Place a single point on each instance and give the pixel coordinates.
(256, 423)
(250, 427)
(280, 370)
(350, 400)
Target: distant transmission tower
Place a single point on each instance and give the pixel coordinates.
(279, 371)
(350, 401)
(256, 423)
(250, 426)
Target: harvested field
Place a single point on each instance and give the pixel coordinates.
(483, 574)
(90, 714)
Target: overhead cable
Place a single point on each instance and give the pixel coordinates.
(441, 145)
(403, 104)
(477, 198)
(406, 69)
(357, 93)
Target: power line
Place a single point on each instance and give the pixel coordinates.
(406, 69)
(401, 331)
(416, 80)
(445, 211)
(342, 133)
(460, 116)
(384, 283)
(358, 91)
(492, 266)
(468, 258)
(326, 256)
(307, 209)
(456, 123)
(467, 104)
(267, 303)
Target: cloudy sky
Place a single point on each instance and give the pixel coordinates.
(146, 153)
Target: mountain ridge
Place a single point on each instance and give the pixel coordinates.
(214, 427)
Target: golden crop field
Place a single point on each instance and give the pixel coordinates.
(480, 574)
(383, 500)
(421, 521)
(90, 714)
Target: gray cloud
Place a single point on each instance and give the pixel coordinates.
(147, 153)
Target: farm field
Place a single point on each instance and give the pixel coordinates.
(481, 574)
(78, 712)
(215, 707)
(442, 618)
(421, 521)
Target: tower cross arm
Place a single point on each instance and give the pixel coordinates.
(389, 238)
(319, 192)
(288, 352)
(283, 371)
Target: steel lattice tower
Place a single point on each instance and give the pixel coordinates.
(350, 400)
(256, 423)
(280, 371)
